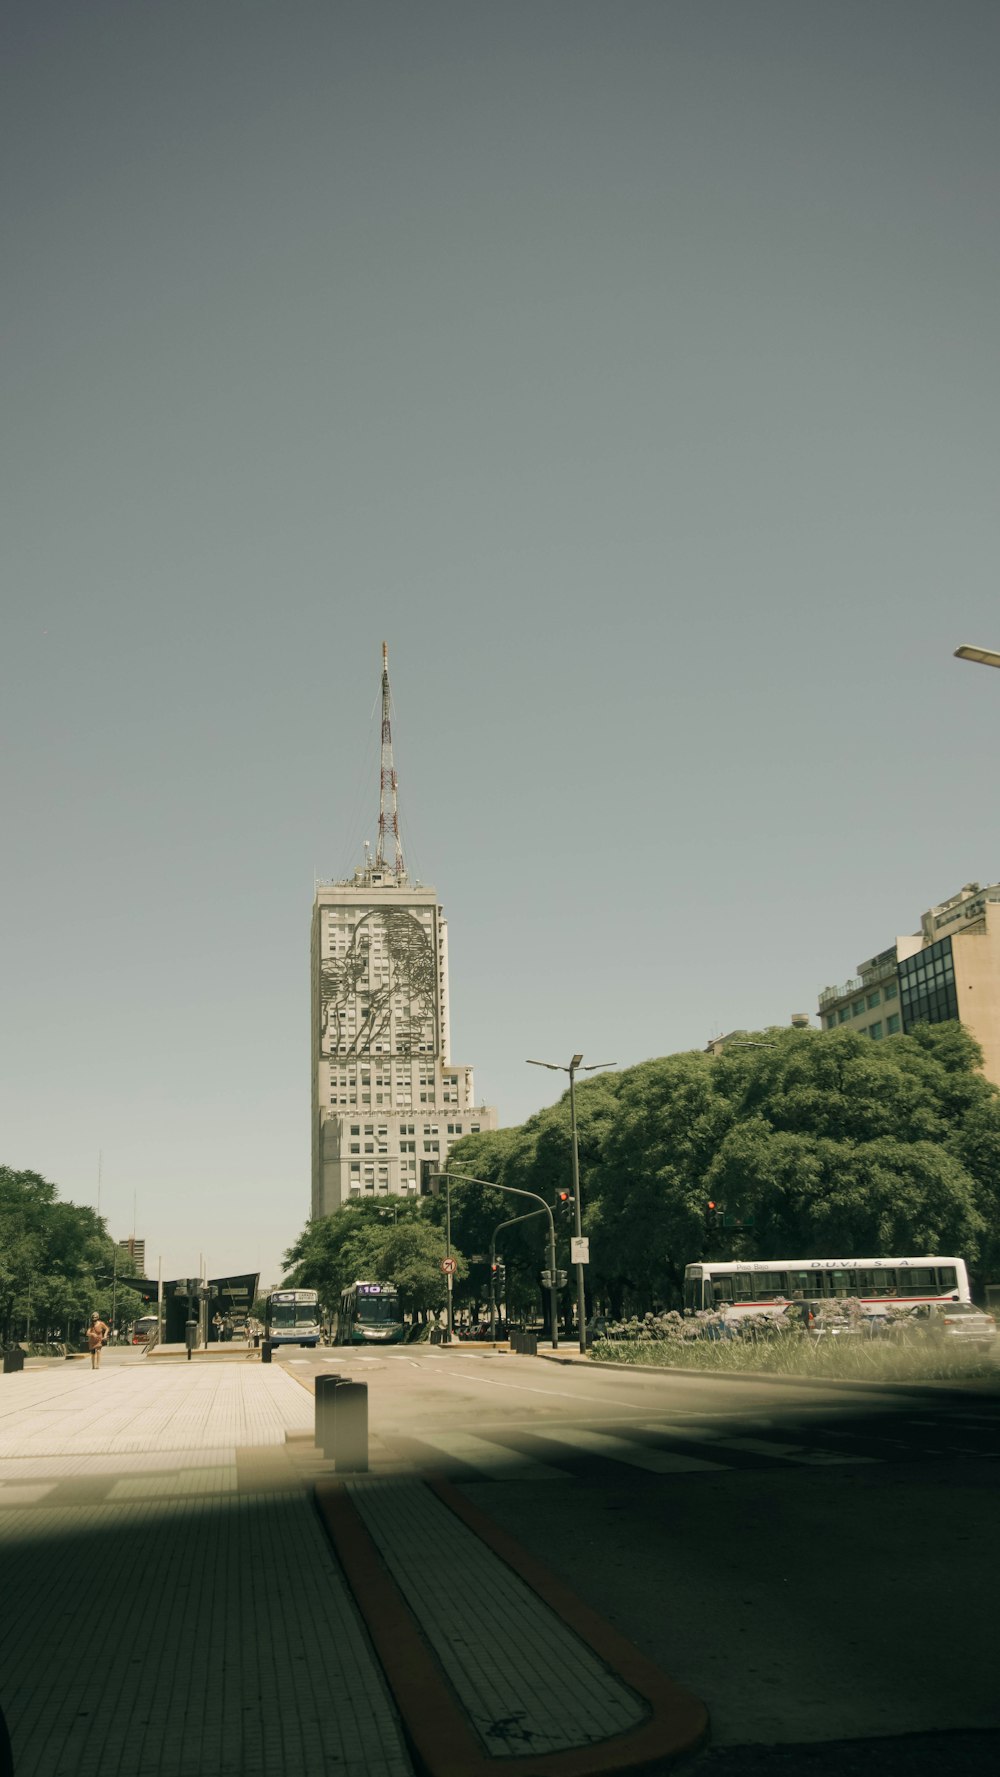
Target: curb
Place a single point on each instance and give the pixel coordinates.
(435, 1724)
(654, 1370)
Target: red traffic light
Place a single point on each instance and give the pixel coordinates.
(712, 1204)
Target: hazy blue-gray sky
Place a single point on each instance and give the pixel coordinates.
(632, 368)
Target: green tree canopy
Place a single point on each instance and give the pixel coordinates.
(821, 1143)
(388, 1241)
(56, 1258)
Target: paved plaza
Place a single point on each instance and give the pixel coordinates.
(171, 1602)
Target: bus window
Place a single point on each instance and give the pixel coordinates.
(876, 1283)
(693, 1294)
(743, 1287)
(769, 1284)
(947, 1277)
(918, 1280)
(843, 1283)
(721, 1288)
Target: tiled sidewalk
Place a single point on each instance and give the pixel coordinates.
(170, 1602)
(539, 1688)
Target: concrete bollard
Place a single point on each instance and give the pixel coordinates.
(13, 1360)
(324, 1436)
(351, 1427)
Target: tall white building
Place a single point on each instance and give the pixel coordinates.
(385, 1093)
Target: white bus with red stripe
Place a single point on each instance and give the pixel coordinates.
(766, 1286)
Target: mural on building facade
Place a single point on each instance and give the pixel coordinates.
(387, 999)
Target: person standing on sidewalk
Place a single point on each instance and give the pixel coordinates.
(97, 1332)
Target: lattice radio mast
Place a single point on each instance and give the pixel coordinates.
(387, 783)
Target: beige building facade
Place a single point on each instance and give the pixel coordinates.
(950, 968)
(385, 1093)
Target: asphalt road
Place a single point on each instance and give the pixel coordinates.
(818, 1566)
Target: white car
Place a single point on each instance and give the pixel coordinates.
(957, 1320)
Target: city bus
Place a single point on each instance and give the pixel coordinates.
(766, 1286)
(292, 1317)
(370, 1315)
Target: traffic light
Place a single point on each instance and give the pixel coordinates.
(430, 1182)
(500, 1274)
(714, 1214)
(564, 1199)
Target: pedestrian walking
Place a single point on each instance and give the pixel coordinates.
(217, 1324)
(97, 1332)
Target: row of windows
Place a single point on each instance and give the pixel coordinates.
(378, 1048)
(931, 1008)
(407, 1187)
(874, 1030)
(768, 1286)
(380, 1133)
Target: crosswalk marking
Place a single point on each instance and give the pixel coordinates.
(658, 1462)
(492, 1460)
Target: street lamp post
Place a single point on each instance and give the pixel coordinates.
(982, 656)
(571, 1070)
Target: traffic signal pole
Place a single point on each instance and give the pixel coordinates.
(465, 1178)
(509, 1223)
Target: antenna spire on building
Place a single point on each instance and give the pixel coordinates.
(387, 794)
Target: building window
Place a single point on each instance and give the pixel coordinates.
(843, 1015)
(890, 990)
(831, 1019)
(892, 1023)
(875, 1031)
(857, 1007)
(873, 999)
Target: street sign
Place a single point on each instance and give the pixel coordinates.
(449, 1267)
(579, 1250)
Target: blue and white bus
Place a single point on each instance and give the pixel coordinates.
(292, 1317)
(370, 1315)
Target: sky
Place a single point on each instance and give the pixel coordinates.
(632, 370)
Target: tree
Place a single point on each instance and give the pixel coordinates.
(54, 1258)
(358, 1241)
(817, 1143)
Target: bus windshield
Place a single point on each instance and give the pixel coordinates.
(377, 1310)
(294, 1314)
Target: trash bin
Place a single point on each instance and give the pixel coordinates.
(190, 1335)
(265, 1352)
(436, 1335)
(13, 1360)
